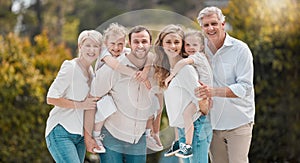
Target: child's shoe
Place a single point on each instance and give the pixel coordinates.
(152, 144)
(173, 149)
(99, 139)
(186, 151)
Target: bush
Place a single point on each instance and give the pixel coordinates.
(26, 72)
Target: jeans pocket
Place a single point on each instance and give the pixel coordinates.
(48, 142)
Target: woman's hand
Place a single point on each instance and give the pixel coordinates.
(88, 104)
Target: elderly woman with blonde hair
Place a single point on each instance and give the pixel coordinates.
(69, 93)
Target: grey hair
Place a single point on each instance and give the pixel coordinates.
(209, 11)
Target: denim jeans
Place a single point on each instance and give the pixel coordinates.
(64, 146)
(118, 151)
(201, 140)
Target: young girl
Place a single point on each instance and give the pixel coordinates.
(69, 93)
(193, 48)
(114, 40)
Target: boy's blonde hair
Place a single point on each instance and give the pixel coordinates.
(114, 28)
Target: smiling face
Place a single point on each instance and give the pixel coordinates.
(89, 50)
(140, 44)
(172, 44)
(115, 44)
(192, 45)
(214, 29)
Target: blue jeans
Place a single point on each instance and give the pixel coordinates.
(118, 151)
(64, 146)
(201, 140)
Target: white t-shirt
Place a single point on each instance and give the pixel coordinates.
(180, 93)
(70, 83)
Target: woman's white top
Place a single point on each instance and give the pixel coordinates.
(70, 83)
(180, 93)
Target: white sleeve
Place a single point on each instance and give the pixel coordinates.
(103, 82)
(62, 80)
(188, 79)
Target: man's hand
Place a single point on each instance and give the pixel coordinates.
(203, 91)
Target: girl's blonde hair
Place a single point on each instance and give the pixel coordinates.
(162, 66)
(196, 34)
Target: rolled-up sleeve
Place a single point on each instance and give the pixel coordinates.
(62, 80)
(244, 74)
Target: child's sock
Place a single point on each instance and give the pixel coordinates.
(96, 133)
(148, 132)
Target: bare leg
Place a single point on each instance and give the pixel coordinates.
(156, 121)
(98, 126)
(188, 113)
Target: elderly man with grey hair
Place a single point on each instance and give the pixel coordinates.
(233, 108)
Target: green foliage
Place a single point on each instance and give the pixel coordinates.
(7, 18)
(27, 71)
(270, 28)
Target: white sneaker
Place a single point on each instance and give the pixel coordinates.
(151, 144)
(99, 143)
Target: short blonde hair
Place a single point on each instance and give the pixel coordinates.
(91, 34)
(114, 28)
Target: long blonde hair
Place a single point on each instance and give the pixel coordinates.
(162, 66)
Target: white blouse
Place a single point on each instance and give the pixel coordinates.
(179, 94)
(70, 83)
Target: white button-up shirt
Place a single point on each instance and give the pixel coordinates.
(232, 67)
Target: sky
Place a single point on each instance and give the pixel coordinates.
(16, 6)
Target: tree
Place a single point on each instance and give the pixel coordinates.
(26, 72)
(270, 28)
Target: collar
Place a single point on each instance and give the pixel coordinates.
(228, 40)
